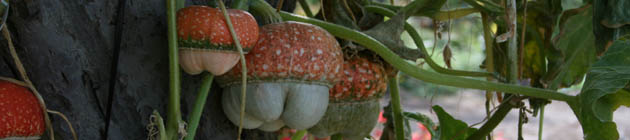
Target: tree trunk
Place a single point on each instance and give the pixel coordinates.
(75, 51)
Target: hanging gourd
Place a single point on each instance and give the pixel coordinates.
(205, 42)
(290, 71)
(354, 107)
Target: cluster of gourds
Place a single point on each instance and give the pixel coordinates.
(297, 74)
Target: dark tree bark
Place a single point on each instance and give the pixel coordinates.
(69, 50)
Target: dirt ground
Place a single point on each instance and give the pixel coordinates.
(468, 105)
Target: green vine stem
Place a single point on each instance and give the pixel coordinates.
(454, 14)
(418, 73)
(200, 102)
(264, 10)
(243, 66)
(173, 110)
(306, 8)
(298, 135)
(413, 7)
(388, 6)
(396, 108)
(540, 123)
(520, 120)
(418, 41)
(494, 120)
(160, 124)
(512, 51)
(239, 4)
(489, 42)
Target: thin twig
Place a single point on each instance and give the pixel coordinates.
(306, 8)
(243, 66)
(487, 36)
(13, 81)
(74, 133)
(321, 9)
(540, 124)
(278, 7)
(28, 82)
(347, 7)
(522, 46)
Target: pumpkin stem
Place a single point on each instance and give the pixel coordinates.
(264, 10)
(200, 102)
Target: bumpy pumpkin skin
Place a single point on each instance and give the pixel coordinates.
(205, 42)
(290, 71)
(20, 114)
(354, 107)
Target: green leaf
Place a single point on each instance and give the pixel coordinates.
(431, 9)
(421, 118)
(450, 128)
(389, 33)
(601, 94)
(486, 6)
(577, 46)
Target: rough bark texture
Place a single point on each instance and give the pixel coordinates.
(68, 49)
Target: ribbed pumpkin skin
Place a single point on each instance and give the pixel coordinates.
(354, 108)
(353, 120)
(205, 42)
(290, 71)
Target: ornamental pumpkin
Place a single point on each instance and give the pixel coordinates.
(290, 71)
(205, 42)
(353, 108)
(21, 116)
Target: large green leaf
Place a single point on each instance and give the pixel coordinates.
(601, 94)
(577, 46)
(451, 128)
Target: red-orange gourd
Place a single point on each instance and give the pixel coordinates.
(20, 114)
(354, 107)
(205, 42)
(290, 71)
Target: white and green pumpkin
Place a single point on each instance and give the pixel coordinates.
(353, 108)
(290, 71)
